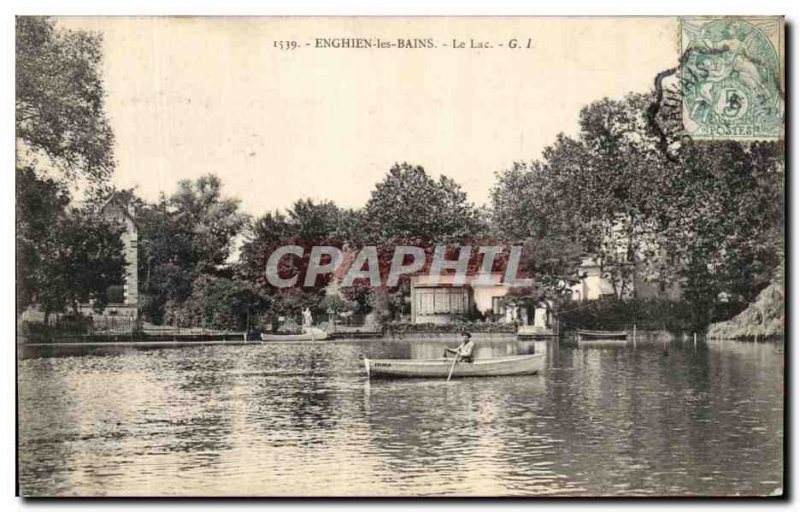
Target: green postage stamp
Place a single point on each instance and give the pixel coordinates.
(731, 75)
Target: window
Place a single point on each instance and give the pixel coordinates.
(441, 301)
(498, 308)
(115, 294)
(424, 301)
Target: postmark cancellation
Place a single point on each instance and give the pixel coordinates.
(731, 77)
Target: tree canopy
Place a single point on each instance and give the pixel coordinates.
(709, 220)
(304, 223)
(409, 205)
(65, 255)
(183, 236)
(60, 110)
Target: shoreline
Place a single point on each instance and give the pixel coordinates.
(143, 343)
(659, 336)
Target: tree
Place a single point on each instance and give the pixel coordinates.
(409, 205)
(721, 220)
(212, 221)
(262, 236)
(188, 234)
(165, 258)
(310, 221)
(708, 217)
(336, 304)
(292, 301)
(595, 190)
(222, 303)
(65, 256)
(520, 206)
(305, 223)
(60, 99)
(607, 177)
(38, 204)
(90, 258)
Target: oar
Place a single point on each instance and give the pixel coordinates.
(455, 360)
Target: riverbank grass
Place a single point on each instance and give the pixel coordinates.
(761, 320)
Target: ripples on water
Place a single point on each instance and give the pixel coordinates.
(302, 419)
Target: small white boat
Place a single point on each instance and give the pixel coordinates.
(602, 337)
(440, 368)
(312, 334)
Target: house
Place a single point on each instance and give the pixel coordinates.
(122, 311)
(592, 285)
(441, 302)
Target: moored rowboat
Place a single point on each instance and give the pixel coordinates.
(312, 334)
(603, 334)
(439, 368)
(602, 337)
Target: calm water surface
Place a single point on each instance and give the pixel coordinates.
(302, 419)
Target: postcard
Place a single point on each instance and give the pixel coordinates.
(400, 256)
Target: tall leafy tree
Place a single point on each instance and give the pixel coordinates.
(409, 205)
(304, 223)
(527, 209)
(721, 217)
(60, 100)
(709, 218)
(183, 236)
(309, 220)
(594, 189)
(607, 176)
(65, 256)
(38, 204)
(222, 303)
(212, 220)
(165, 258)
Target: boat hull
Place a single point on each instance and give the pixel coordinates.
(440, 368)
(603, 334)
(312, 335)
(602, 338)
(597, 342)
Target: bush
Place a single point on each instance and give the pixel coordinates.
(218, 303)
(763, 319)
(336, 304)
(650, 314)
(398, 328)
(38, 332)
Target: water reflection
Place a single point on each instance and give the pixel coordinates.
(303, 420)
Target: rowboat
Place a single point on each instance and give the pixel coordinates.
(440, 368)
(608, 337)
(312, 334)
(346, 331)
(534, 332)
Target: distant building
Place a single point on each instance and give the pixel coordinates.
(122, 310)
(120, 209)
(645, 280)
(593, 285)
(439, 302)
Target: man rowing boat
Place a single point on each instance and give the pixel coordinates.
(463, 351)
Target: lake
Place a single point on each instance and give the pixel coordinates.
(302, 419)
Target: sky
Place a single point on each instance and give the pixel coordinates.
(191, 96)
